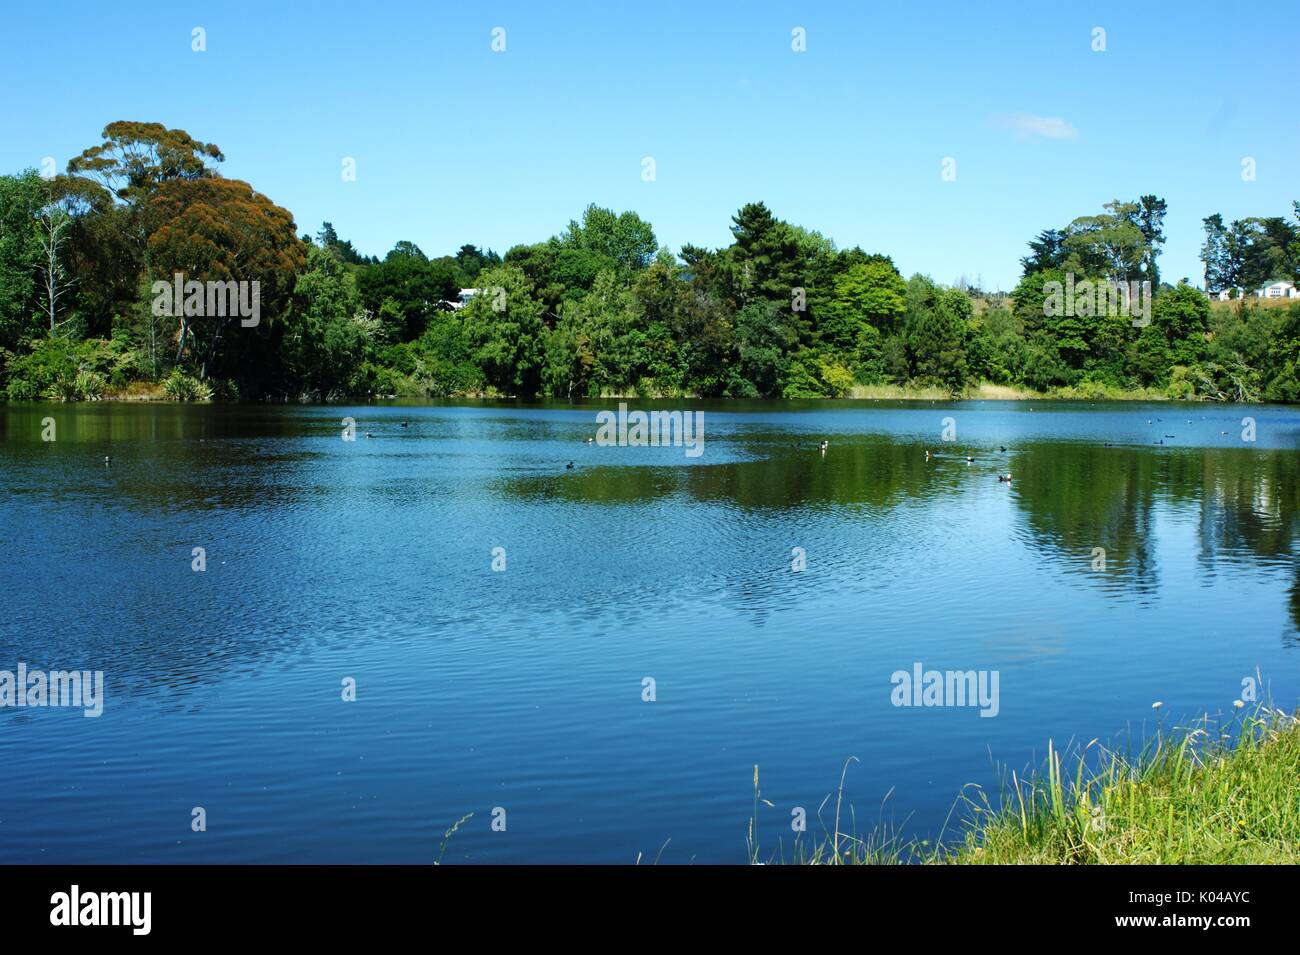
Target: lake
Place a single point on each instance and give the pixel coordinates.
(645, 639)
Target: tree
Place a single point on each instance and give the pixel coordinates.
(866, 302)
(575, 271)
(996, 350)
(1294, 247)
(695, 305)
(1109, 246)
(325, 343)
(104, 254)
(614, 329)
(538, 263)
(936, 328)
(136, 158)
(107, 191)
(1057, 343)
(659, 293)
(1150, 359)
(416, 287)
(1048, 252)
(766, 336)
(1219, 271)
(55, 281)
(1182, 314)
(471, 261)
(329, 240)
(625, 239)
(21, 199)
(408, 250)
(765, 256)
(1263, 250)
(223, 230)
(571, 349)
(1150, 221)
(503, 324)
(1284, 350)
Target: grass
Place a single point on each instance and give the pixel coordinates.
(1251, 302)
(900, 393)
(987, 391)
(446, 836)
(1199, 796)
(137, 391)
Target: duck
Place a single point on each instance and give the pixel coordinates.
(569, 466)
(107, 460)
(591, 440)
(1002, 448)
(969, 459)
(403, 424)
(369, 435)
(825, 445)
(1005, 478)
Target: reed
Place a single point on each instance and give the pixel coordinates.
(1221, 793)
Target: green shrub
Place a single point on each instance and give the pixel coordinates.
(182, 387)
(48, 365)
(90, 385)
(1090, 389)
(64, 370)
(1182, 384)
(83, 386)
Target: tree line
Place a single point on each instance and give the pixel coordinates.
(600, 308)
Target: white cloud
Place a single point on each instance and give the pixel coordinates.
(1029, 126)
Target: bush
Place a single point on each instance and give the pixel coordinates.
(182, 387)
(1284, 388)
(48, 367)
(64, 370)
(802, 379)
(20, 389)
(837, 378)
(1182, 384)
(1092, 390)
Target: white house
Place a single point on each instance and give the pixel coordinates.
(1279, 290)
(465, 295)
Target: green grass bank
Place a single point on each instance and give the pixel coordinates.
(1200, 796)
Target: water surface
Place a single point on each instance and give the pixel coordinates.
(522, 689)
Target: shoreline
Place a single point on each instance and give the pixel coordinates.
(141, 393)
(1191, 797)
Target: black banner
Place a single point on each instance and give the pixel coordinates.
(339, 903)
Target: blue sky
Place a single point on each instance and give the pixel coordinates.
(455, 143)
